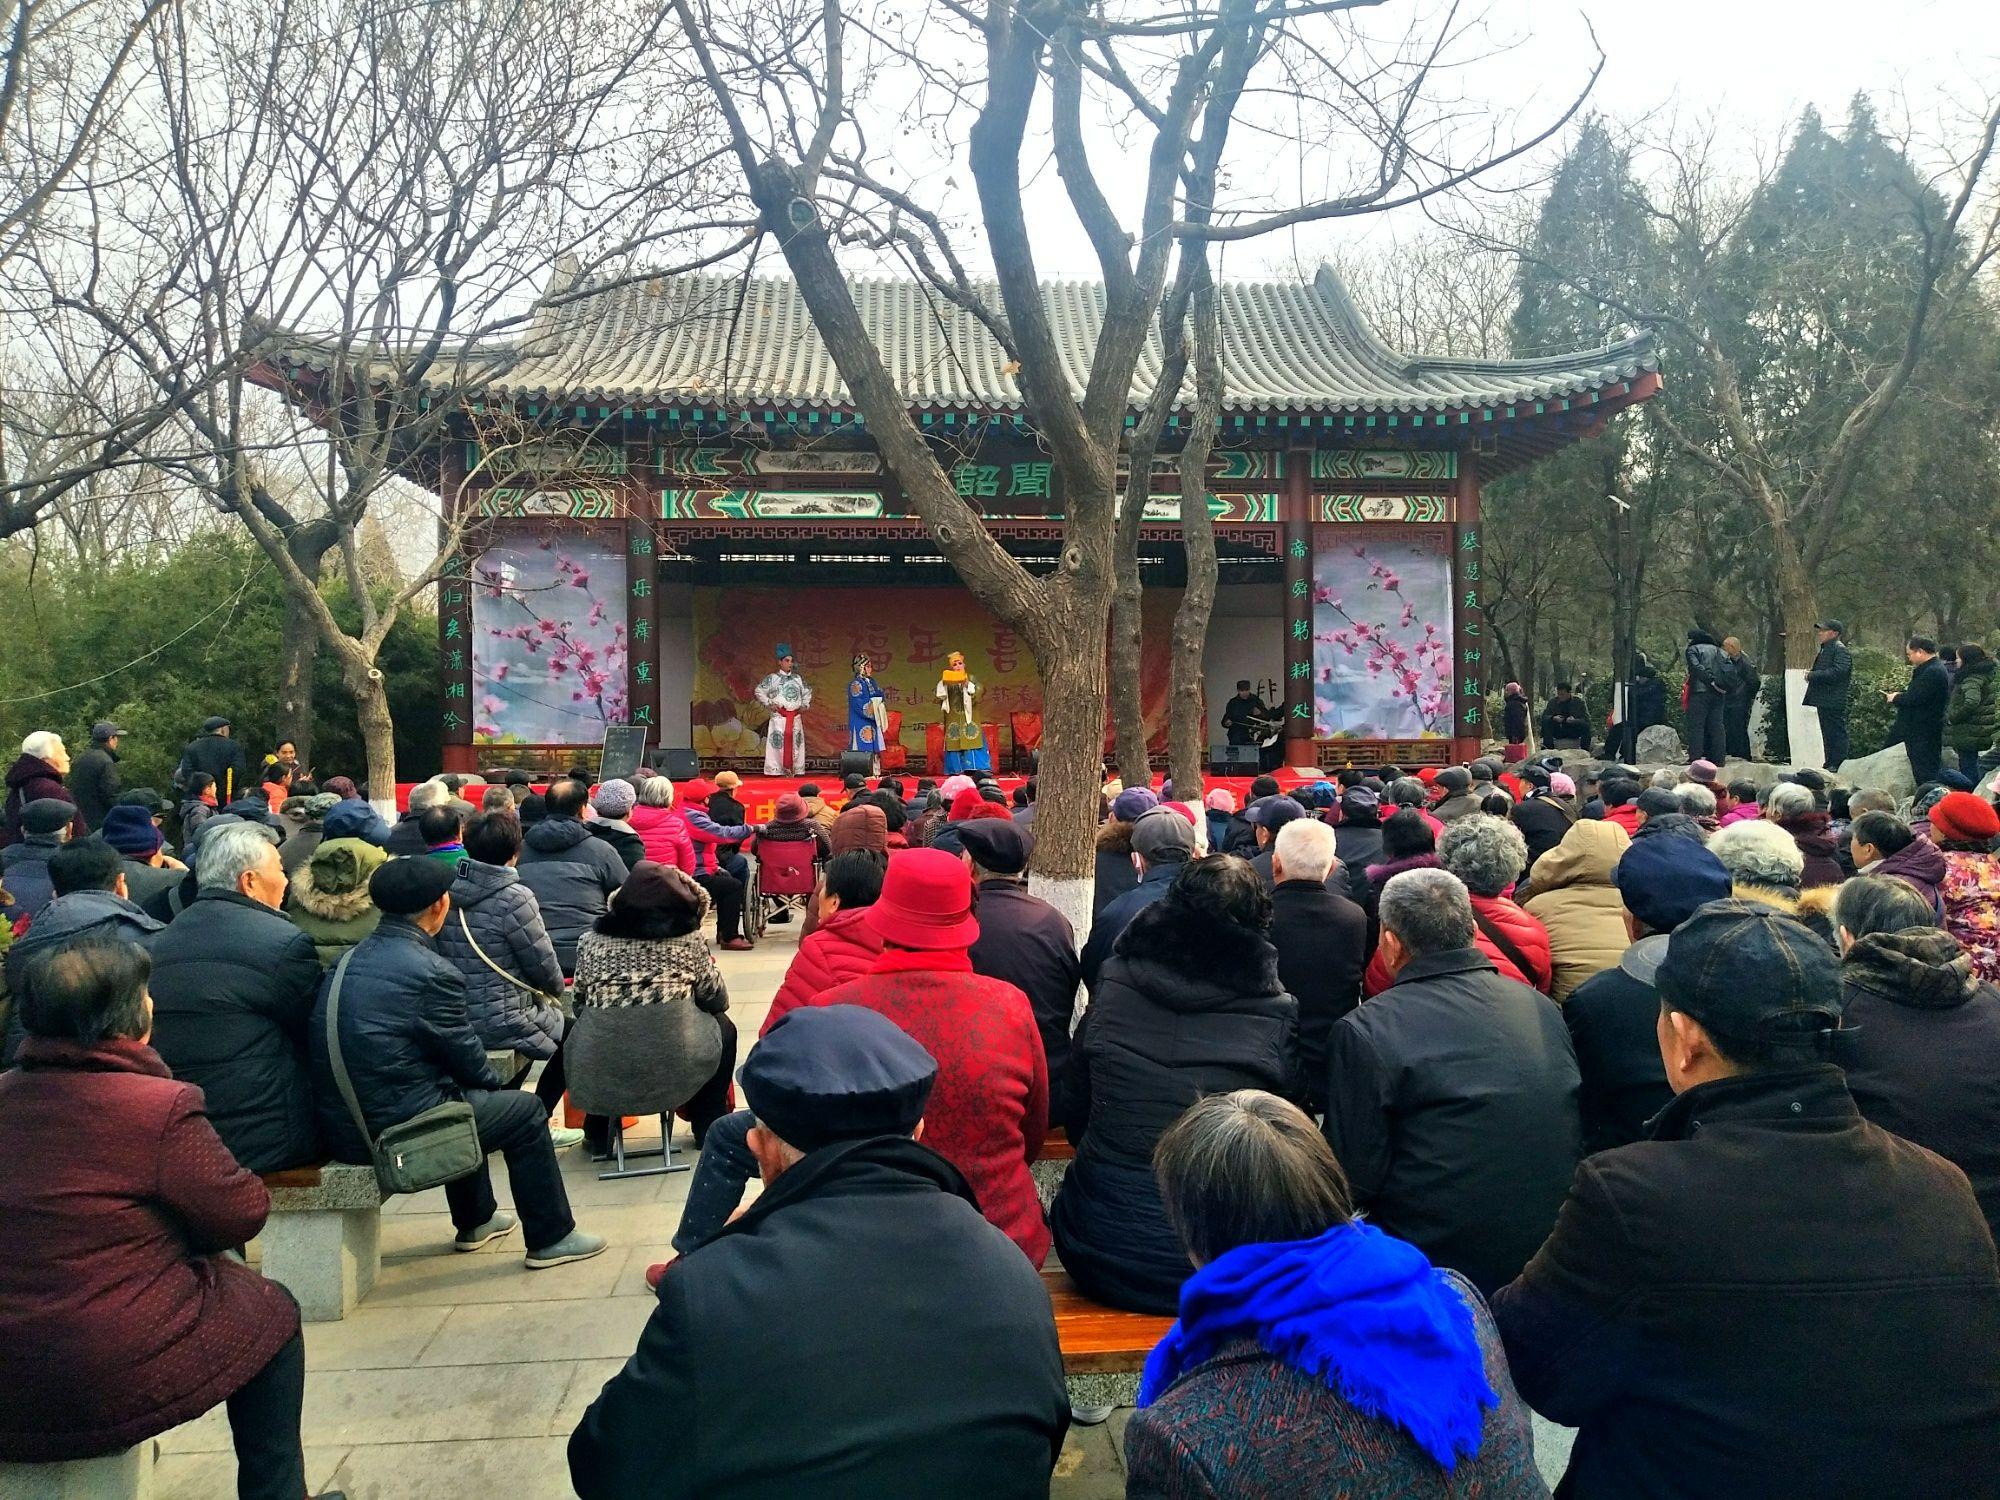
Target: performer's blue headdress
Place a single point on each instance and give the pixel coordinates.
(783, 650)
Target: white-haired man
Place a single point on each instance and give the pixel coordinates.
(1321, 938)
(233, 988)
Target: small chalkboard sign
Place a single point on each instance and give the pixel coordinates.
(624, 752)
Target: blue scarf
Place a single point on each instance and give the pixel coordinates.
(1365, 1313)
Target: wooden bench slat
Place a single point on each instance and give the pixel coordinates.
(293, 1177)
(1056, 1147)
(1097, 1339)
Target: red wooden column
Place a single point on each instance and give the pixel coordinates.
(1469, 615)
(1296, 514)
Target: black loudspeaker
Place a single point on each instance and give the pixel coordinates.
(1232, 760)
(679, 764)
(856, 763)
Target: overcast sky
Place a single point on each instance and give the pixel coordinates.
(1755, 62)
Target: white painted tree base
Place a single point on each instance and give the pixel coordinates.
(1072, 898)
(1802, 723)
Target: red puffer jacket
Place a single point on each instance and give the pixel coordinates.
(664, 832)
(989, 1110)
(843, 949)
(1520, 929)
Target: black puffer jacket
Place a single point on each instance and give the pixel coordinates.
(1923, 1060)
(1453, 1108)
(69, 918)
(491, 907)
(572, 876)
(1114, 871)
(404, 1036)
(94, 780)
(1185, 1006)
(219, 756)
(24, 870)
(233, 989)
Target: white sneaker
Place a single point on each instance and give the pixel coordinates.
(562, 1137)
(1090, 1416)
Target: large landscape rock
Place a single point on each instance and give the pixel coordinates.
(1886, 770)
(1659, 745)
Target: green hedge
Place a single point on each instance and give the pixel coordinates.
(208, 621)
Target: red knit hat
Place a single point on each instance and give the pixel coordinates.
(1962, 815)
(962, 804)
(926, 902)
(1427, 774)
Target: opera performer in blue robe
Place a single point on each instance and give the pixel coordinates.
(867, 714)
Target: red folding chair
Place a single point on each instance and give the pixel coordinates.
(787, 873)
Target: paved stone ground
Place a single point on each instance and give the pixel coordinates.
(464, 1374)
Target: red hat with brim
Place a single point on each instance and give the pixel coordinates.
(926, 902)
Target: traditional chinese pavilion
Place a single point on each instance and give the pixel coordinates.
(670, 477)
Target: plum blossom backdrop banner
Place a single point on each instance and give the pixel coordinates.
(1382, 644)
(548, 631)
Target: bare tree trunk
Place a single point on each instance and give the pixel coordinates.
(296, 708)
(1069, 646)
(378, 729)
(1187, 734)
(1128, 652)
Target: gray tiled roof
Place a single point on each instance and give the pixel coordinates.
(1288, 346)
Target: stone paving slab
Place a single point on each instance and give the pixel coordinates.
(496, 1333)
(517, 1468)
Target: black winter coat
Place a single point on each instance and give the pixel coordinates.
(1923, 1060)
(1565, 720)
(624, 841)
(1707, 668)
(1649, 701)
(1452, 1105)
(65, 919)
(1514, 713)
(93, 779)
(406, 838)
(915, 1356)
(1359, 845)
(1185, 1006)
(1322, 943)
(404, 1036)
(221, 757)
(1827, 682)
(1772, 1298)
(1029, 944)
(1613, 1019)
(233, 989)
(1112, 920)
(1920, 709)
(491, 903)
(572, 876)
(1544, 822)
(24, 870)
(1113, 870)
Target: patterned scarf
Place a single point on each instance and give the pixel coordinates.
(1365, 1313)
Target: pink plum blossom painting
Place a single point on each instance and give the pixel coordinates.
(1382, 641)
(549, 648)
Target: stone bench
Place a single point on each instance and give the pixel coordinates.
(1049, 1169)
(322, 1241)
(1103, 1349)
(507, 1064)
(115, 1476)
